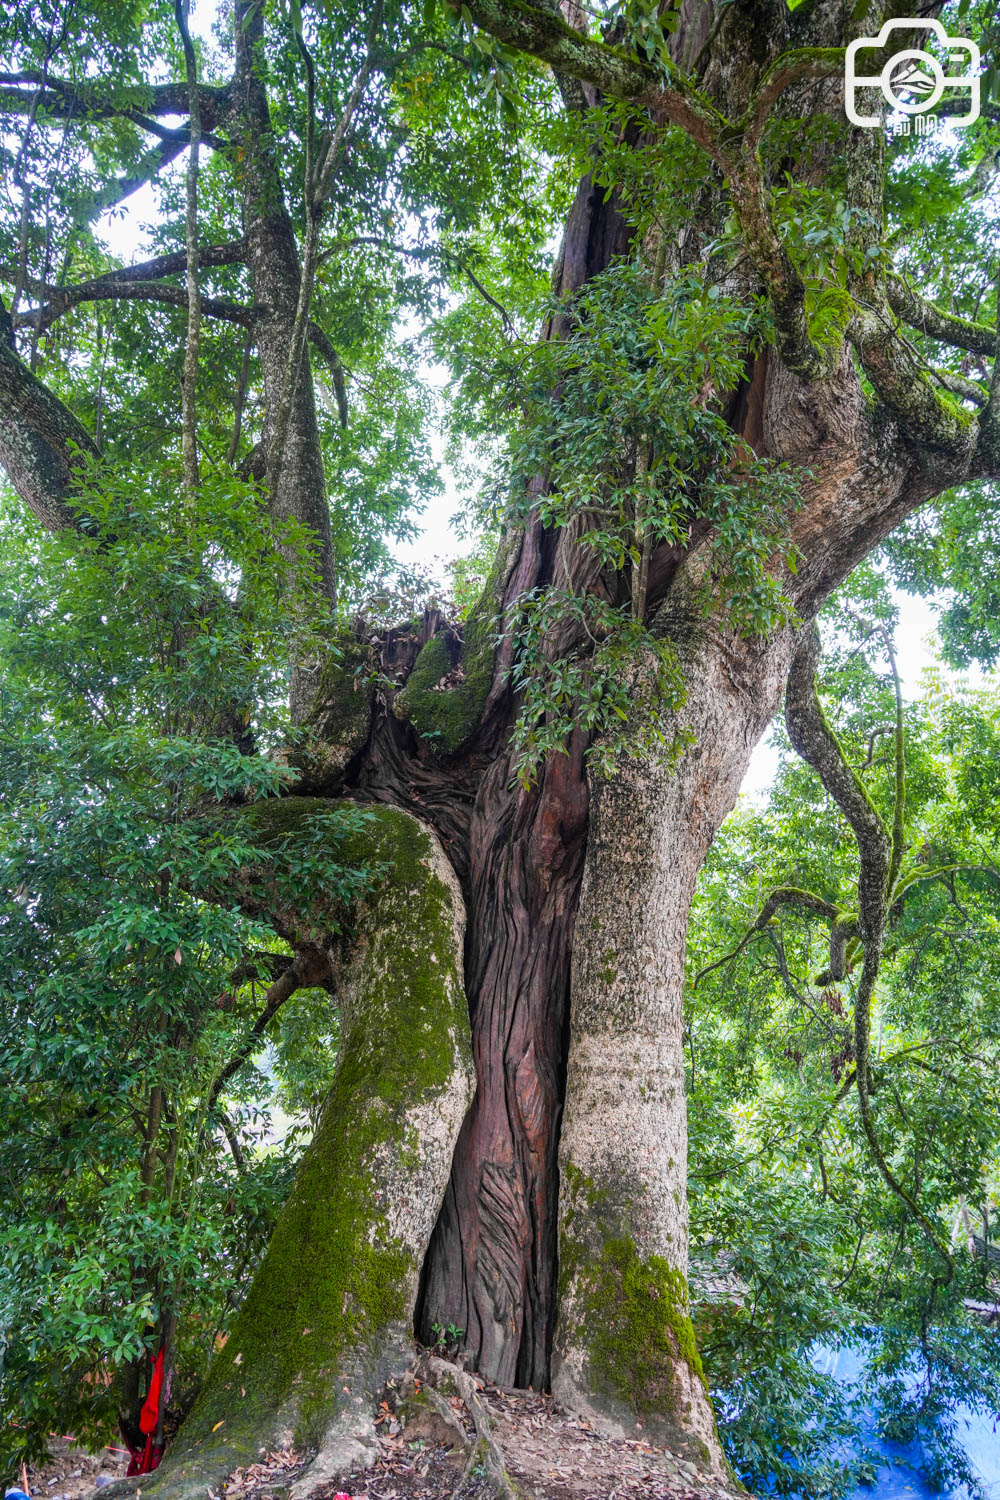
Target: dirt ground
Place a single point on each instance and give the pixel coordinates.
(548, 1453)
(74, 1473)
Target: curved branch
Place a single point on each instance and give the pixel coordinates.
(138, 291)
(789, 68)
(325, 347)
(308, 967)
(41, 442)
(62, 100)
(57, 299)
(816, 742)
(785, 895)
(664, 89)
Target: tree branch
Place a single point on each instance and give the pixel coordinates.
(40, 443)
(819, 747)
(948, 328)
(785, 895)
(310, 966)
(789, 68)
(60, 99)
(189, 432)
(138, 291)
(57, 299)
(665, 89)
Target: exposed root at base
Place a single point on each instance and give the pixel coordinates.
(441, 1433)
(484, 1451)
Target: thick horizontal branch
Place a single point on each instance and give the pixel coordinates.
(58, 299)
(137, 291)
(948, 328)
(969, 390)
(665, 90)
(20, 91)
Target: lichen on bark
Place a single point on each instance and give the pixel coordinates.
(329, 1313)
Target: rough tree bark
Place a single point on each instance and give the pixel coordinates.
(571, 1158)
(329, 1315)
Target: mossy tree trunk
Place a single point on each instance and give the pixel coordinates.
(574, 1009)
(330, 1312)
(579, 1010)
(624, 1349)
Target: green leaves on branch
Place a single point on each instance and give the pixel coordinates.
(619, 691)
(142, 673)
(623, 419)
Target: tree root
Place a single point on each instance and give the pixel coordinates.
(483, 1451)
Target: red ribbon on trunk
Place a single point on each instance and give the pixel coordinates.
(145, 1460)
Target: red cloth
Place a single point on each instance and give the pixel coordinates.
(145, 1460)
(150, 1414)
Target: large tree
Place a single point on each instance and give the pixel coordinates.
(738, 394)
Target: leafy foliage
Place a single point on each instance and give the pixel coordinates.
(128, 969)
(622, 419)
(813, 1247)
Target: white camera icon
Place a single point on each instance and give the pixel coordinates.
(913, 72)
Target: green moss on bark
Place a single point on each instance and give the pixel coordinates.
(638, 1326)
(339, 720)
(631, 1316)
(445, 694)
(330, 1307)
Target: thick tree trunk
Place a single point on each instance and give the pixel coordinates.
(273, 263)
(330, 1312)
(625, 1350)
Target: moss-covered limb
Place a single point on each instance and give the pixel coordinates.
(617, 73)
(445, 694)
(329, 1313)
(926, 317)
(791, 67)
(338, 721)
(942, 431)
(811, 356)
(987, 460)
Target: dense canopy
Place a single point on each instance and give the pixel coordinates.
(348, 991)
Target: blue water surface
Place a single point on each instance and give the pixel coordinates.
(979, 1435)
